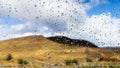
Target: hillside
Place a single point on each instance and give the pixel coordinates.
(28, 43)
(43, 51)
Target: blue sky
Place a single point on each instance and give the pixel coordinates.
(9, 20)
(112, 6)
(97, 21)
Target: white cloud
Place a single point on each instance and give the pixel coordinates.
(57, 16)
(23, 35)
(45, 13)
(64, 17)
(18, 27)
(94, 3)
(99, 29)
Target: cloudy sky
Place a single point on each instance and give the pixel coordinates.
(97, 21)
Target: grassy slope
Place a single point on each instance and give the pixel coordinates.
(38, 49)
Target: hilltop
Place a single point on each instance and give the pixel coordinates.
(69, 41)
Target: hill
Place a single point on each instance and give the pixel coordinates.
(69, 41)
(45, 51)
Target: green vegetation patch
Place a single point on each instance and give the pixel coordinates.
(71, 62)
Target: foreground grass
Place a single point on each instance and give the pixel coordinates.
(55, 57)
(89, 65)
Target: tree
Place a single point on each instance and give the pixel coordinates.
(22, 62)
(70, 62)
(89, 60)
(9, 57)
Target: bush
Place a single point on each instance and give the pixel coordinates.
(111, 66)
(9, 57)
(22, 62)
(70, 62)
(89, 60)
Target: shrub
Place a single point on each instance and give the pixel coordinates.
(9, 57)
(111, 66)
(22, 62)
(89, 60)
(70, 62)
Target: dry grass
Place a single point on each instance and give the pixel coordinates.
(39, 50)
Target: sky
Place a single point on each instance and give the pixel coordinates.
(97, 21)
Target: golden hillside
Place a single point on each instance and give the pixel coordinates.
(42, 51)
